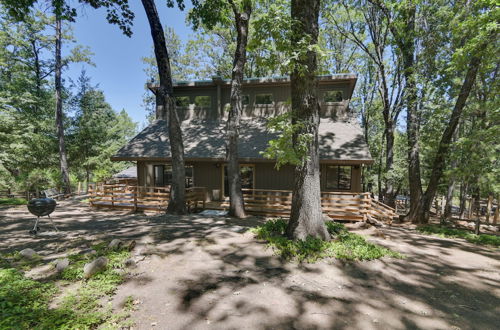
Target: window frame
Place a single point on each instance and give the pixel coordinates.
(164, 167)
(263, 104)
(203, 106)
(335, 91)
(224, 169)
(337, 187)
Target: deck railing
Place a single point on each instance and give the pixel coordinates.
(337, 205)
(123, 196)
(347, 206)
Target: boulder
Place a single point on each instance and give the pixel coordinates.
(130, 263)
(94, 267)
(61, 264)
(28, 254)
(115, 244)
(131, 245)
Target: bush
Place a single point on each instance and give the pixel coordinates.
(24, 303)
(443, 231)
(13, 201)
(346, 245)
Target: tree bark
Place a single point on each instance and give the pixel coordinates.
(306, 215)
(420, 213)
(63, 160)
(464, 187)
(236, 202)
(448, 207)
(177, 204)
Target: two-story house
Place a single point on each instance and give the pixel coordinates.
(203, 105)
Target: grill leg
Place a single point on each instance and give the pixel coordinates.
(52, 222)
(35, 227)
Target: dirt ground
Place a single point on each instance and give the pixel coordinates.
(209, 273)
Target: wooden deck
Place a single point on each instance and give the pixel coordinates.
(140, 198)
(343, 206)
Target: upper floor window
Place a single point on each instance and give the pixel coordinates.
(203, 101)
(333, 96)
(245, 99)
(182, 101)
(263, 99)
(338, 177)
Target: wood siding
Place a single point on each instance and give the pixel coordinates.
(209, 175)
(281, 100)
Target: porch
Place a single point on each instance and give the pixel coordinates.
(343, 206)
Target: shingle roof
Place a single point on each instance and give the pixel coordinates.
(130, 172)
(205, 139)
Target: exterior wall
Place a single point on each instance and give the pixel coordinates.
(220, 98)
(209, 175)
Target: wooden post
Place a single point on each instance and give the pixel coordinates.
(488, 207)
(135, 191)
(79, 187)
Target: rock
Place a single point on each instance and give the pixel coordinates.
(115, 244)
(360, 225)
(379, 233)
(88, 251)
(131, 245)
(28, 254)
(61, 264)
(130, 263)
(94, 267)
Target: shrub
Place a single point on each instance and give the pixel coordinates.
(345, 246)
(443, 231)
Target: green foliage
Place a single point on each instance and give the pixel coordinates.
(442, 231)
(346, 245)
(282, 149)
(13, 201)
(24, 303)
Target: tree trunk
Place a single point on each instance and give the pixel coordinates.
(448, 206)
(389, 195)
(488, 207)
(464, 187)
(63, 160)
(177, 204)
(236, 203)
(439, 162)
(306, 216)
(497, 211)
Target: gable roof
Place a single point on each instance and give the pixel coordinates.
(206, 140)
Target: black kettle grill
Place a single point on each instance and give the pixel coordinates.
(41, 207)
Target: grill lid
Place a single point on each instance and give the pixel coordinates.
(41, 206)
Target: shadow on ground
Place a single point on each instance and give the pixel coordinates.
(204, 272)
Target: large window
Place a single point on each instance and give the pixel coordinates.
(245, 99)
(338, 177)
(163, 175)
(333, 96)
(247, 173)
(182, 101)
(263, 99)
(203, 101)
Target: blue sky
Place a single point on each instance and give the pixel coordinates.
(119, 69)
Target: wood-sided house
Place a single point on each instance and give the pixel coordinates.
(203, 105)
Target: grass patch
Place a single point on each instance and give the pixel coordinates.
(447, 232)
(346, 245)
(24, 303)
(13, 201)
